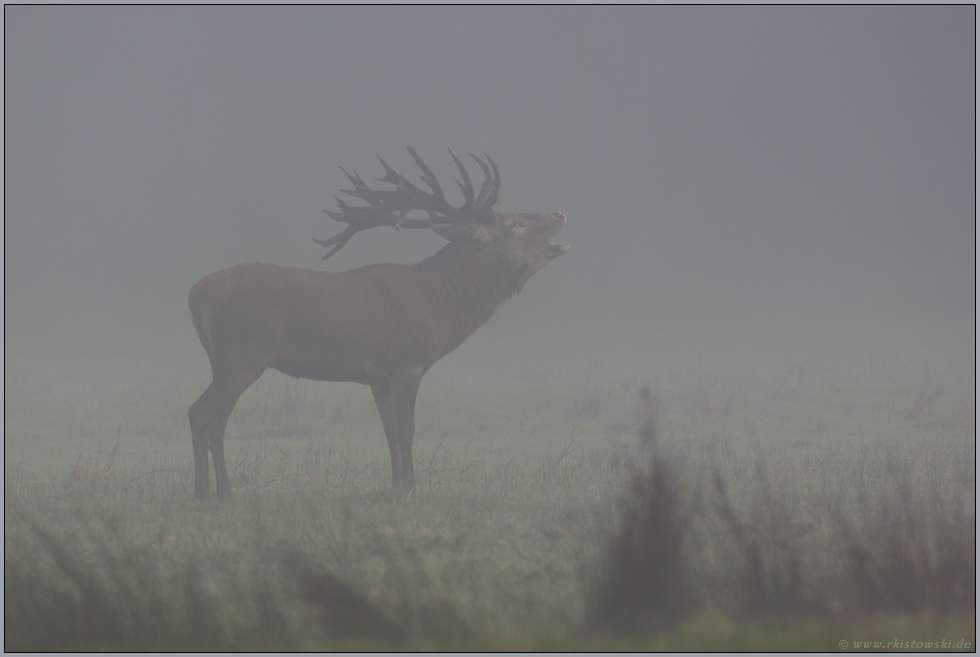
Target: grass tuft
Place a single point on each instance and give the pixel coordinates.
(644, 585)
(905, 556)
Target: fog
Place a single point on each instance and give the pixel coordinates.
(740, 182)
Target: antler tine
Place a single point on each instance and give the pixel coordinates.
(347, 210)
(481, 200)
(419, 200)
(466, 186)
(338, 241)
(376, 197)
(401, 182)
(496, 178)
(355, 179)
(490, 192)
(428, 177)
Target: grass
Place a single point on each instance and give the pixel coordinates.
(788, 509)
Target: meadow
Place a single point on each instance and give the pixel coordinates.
(789, 507)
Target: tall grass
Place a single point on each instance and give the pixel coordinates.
(646, 584)
(898, 553)
(116, 598)
(552, 514)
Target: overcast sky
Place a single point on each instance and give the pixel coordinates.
(774, 177)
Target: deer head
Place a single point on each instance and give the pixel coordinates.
(524, 240)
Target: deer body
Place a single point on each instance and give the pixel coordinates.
(382, 325)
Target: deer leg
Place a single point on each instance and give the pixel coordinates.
(382, 399)
(403, 398)
(209, 417)
(218, 452)
(201, 416)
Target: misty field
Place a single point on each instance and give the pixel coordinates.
(791, 507)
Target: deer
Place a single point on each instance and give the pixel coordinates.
(381, 325)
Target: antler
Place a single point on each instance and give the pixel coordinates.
(490, 193)
(391, 207)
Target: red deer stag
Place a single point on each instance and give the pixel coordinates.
(382, 325)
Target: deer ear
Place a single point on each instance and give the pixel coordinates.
(462, 231)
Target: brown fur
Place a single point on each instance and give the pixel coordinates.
(381, 325)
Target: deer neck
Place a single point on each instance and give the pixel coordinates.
(469, 282)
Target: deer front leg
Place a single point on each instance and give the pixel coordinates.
(382, 400)
(403, 395)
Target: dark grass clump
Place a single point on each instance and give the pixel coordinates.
(338, 607)
(906, 556)
(644, 584)
(411, 613)
(765, 565)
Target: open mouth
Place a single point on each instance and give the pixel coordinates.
(559, 247)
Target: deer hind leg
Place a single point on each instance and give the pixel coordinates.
(201, 418)
(209, 417)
